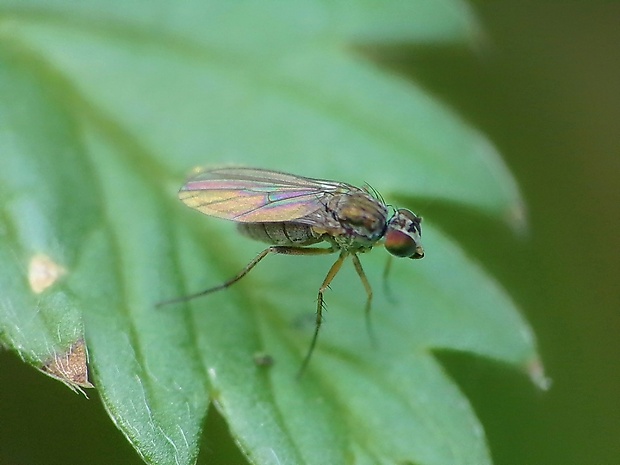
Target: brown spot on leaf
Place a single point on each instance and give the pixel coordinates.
(70, 367)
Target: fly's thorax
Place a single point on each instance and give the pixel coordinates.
(403, 234)
(281, 233)
(359, 217)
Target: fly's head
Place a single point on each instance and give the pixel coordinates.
(403, 234)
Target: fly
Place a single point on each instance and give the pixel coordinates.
(292, 213)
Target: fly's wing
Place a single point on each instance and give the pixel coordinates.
(251, 195)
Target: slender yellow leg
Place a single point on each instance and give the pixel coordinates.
(362, 275)
(386, 283)
(274, 249)
(368, 288)
(333, 271)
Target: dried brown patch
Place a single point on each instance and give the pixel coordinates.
(70, 367)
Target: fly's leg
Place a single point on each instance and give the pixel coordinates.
(386, 283)
(274, 249)
(333, 271)
(282, 250)
(368, 288)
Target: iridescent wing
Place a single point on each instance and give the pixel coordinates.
(251, 195)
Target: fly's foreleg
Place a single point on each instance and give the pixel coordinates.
(386, 283)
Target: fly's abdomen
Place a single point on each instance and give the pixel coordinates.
(292, 234)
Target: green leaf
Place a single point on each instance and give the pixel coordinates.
(106, 105)
(40, 236)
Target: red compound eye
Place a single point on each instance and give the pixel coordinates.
(400, 244)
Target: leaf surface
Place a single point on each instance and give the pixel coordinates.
(107, 105)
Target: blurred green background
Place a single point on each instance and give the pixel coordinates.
(545, 87)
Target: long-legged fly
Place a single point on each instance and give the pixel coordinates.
(294, 212)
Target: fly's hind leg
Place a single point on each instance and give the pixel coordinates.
(274, 249)
(282, 250)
